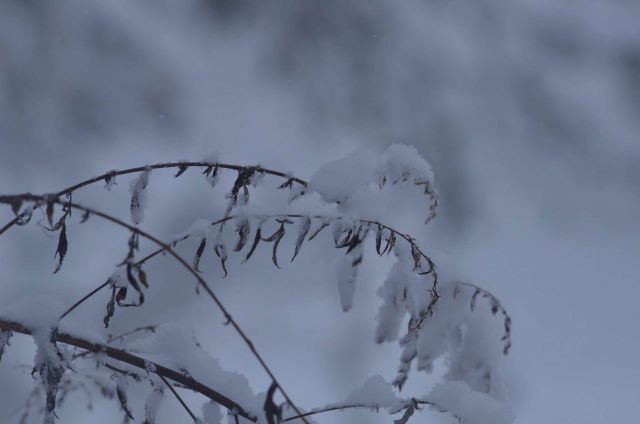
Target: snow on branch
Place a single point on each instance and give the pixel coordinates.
(443, 318)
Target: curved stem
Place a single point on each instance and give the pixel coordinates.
(138, 362)
(404, 407)
(229, 319)
(137, 169)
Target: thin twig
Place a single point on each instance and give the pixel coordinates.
(184, 405)
(86, 297)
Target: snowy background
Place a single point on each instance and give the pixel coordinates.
(529, 113)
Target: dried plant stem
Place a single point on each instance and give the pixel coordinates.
(138, 362)
(138, 169)
(229, 319)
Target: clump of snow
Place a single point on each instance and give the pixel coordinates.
(339, 179)
(173, 346)
(346, 271)
(50, 367)
(199, 229)
(357, 180)
(139, 196)
(211, 413)
(152, 405)
(211, 158)
(469, 406)
(376, 391)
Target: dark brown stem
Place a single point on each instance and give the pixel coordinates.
(137, 362)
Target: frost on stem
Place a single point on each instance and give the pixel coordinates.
(139, 196)
(50, 365)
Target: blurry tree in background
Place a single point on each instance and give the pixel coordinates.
(528, 110)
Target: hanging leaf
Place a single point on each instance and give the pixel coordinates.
(243, 179)
(85, 217)
(256, 240)
(199, 252)
(243, 229)
(49, 210)
(134, 283)
(407, 414)
(473, 299)
(221, 252)
(211, 175)
(272, 412)
(275, 238)
(391, 241)
(122, 397)
(379, 239)
(305, 225)
(324, 225)
(181, 170)
(416, 255)
(111, 307)
(142, 276)
(61, 251)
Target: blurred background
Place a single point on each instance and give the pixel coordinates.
(529, 113)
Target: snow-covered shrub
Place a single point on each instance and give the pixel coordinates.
(348, 200)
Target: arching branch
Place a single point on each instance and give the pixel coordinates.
(138, 362)
(179, 165)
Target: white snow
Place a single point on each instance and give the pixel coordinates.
(139, 196)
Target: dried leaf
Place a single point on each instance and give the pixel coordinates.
(473, 299)
(324, 225)
(142, 276)
(111, 307)
(49, 211)
(243, 229)
(221, 253)
(305, 225)
(256, 240)
(272, 412)
(181, 170)
(275, 238)
(61, 251)
(378, 239)
(417, 256)
(122, 397)
(199, 252)
(407, 414)
(85, 217)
